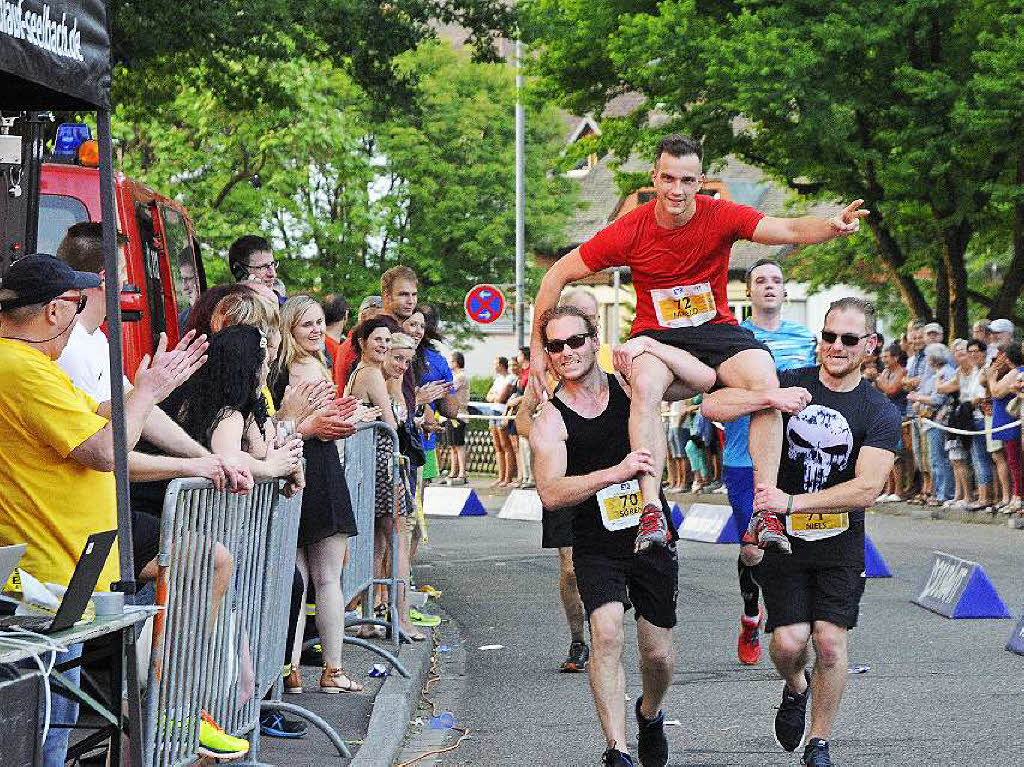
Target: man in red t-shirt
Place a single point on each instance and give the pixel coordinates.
(677, 247)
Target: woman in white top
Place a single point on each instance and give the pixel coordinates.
(498, 394)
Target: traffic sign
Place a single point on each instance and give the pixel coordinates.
(484, 304)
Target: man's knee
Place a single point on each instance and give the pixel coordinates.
(658, 657)
(606, 634)
(829, 643)
(789, 642)
(751, 369)
(651, 377)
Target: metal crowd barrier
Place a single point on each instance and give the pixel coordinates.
(198, 658)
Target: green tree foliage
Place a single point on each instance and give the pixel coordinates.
(913, 106)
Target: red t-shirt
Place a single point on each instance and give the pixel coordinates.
(344, 360)
(680, 275)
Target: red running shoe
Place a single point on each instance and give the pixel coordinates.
(770, 533)
(748, 646)
(653, 529)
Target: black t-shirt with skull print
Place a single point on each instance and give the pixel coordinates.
(820, 448)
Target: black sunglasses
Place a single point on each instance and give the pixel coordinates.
(848, 339)
(555, 345)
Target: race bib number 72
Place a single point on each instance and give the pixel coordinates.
(684, 306)
(620, 505)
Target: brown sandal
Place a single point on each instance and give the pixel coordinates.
(334, 679)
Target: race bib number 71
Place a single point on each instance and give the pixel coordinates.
(814, 527)
(684, 306)
(620, 505)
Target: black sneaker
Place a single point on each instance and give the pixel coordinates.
(579, 654)
(615, 758)
(816, 754)
(275, 725)
(791, 717)
(651, 743)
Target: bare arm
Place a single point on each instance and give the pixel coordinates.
(226, 440)
(809, 230)
(728, 404)
(162, 431)
(952, 386)
(1004, 384)
(556, 490)
(873, 466)
(143, 467)
(894, 385)
(527, 410)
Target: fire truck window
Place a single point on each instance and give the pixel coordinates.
(57, 214)
(183, 263)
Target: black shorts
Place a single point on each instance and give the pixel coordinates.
(712, 344)
(145, 539)
(802, 592)
(458, 433)
(556, 528)
(649, 582)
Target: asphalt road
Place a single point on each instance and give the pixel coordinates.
(938, 692)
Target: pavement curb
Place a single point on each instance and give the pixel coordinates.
(393, 707)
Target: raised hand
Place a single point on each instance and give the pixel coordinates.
(636, 463)
(538, 373)
(170, 369)
(848, 221)
(303, 399)
(624, 354)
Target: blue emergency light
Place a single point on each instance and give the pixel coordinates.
(70, 136)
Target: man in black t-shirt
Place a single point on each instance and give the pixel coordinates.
(583, 462)
(836, 454)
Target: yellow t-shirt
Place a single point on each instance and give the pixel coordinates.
(48, 500)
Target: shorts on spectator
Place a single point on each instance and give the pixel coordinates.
(648, 582)
(145, 539)
(802, 592)
(739, 481)
(677, 439)
(556, 528)
(712, 344)
(457, 433)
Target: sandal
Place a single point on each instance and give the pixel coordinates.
(333, 679)
(412, 636)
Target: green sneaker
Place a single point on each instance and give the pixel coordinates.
(215, 743)
(424, 619)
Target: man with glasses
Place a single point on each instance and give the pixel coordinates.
(582, 462)
(841, 440)
(677, 247)
(792, 346)
(57, 452)
(251, 258)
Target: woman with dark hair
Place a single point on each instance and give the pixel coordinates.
(429, 366)
(202, 311)
(1002, 376)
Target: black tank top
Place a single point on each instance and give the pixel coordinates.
(594, 444)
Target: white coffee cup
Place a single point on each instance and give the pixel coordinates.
(108, 602)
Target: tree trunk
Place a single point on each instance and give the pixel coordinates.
(893, 259)
(942, 295)
(954, 248)
(1005, 302)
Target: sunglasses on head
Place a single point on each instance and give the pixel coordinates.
(555, 345)
(80, 300)
(848, 339)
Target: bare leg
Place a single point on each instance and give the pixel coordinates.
(829, 678)
(300, 626)
(657, 662)
(499, 455)
(1002, 472)
(571, 602)
(405, 525)
(649, 379)
(754, 370)
(325, 558)
(460, 453)
(607, 677)
(788, 650)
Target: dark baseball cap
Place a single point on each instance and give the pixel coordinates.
(38, 278)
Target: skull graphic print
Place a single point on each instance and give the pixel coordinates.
(821, 439)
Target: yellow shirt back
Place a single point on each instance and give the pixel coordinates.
(48, 500)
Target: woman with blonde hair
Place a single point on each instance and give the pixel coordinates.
(327, 519)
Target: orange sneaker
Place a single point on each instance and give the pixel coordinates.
(748, 645)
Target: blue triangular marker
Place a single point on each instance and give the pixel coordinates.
(1016, 643)
(473, 507)
(677, 516)
(729, 532)
(980, 599)
(874, 564)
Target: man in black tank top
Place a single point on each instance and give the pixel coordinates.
(582, 460)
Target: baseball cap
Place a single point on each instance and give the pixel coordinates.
(371, 302)
(932, 327)
(1000, 326)
(38, 278)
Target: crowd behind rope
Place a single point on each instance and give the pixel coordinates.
(262, 386)
(961, 434)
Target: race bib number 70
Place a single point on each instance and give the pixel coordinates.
(684, 306)
(620, 505)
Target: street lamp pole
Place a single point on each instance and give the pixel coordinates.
(520, 319)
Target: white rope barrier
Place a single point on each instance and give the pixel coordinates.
(967, 433)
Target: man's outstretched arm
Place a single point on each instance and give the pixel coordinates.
(873, 466)
(809, 230)
(728, 404)
(568, 268)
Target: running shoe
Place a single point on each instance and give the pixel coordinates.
(816, 754)
(418, 618)
(579, 654)
(748, 645)
(217, 744)
(615, 758)
(791, 717)
(653, 529)
(276, 725)
(770, 533)
(651, 743)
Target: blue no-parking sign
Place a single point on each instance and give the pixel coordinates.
(484, 304)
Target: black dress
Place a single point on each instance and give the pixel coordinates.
(326, 503)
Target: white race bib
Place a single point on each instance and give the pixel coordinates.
(620, 505)
(684, 306)
(815, 527)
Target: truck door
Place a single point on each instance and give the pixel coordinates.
(185, 277)
(149, 247)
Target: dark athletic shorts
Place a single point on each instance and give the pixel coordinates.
(556, 528)
(801, 592)
(145, 539)
(712, 344)
(649, 582)
(458, 433)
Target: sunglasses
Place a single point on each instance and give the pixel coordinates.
(848, 339)
(80, 300)
(555, 345)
